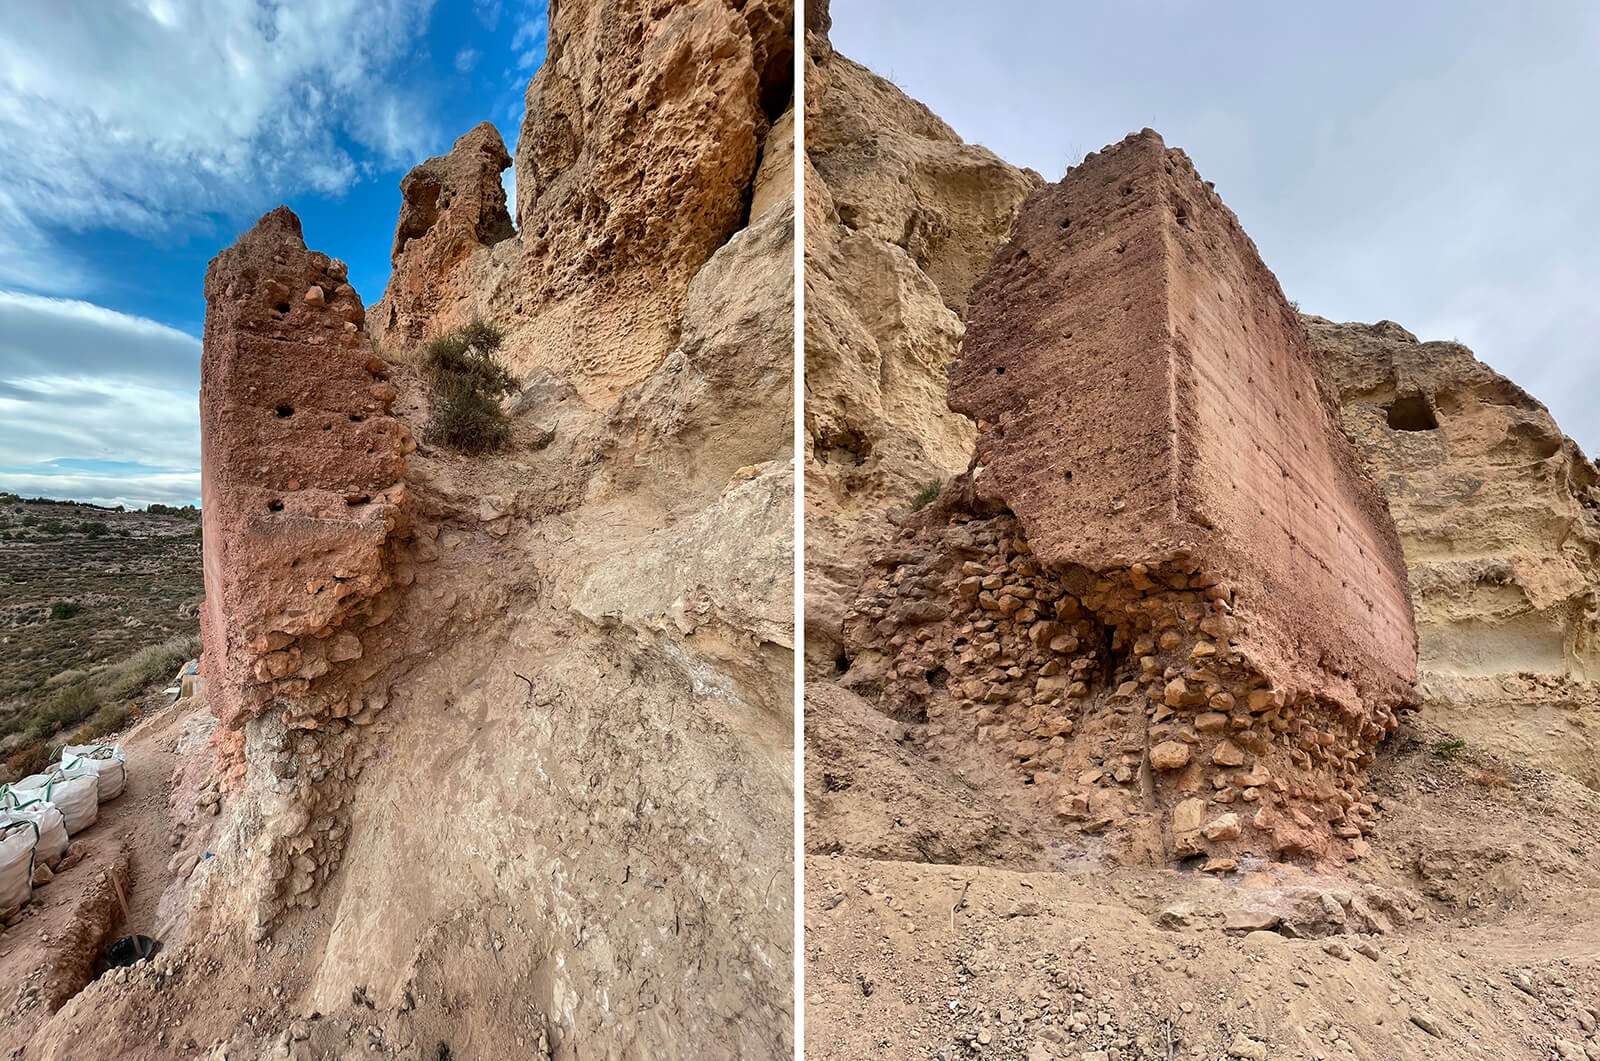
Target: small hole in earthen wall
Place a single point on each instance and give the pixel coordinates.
(274, 506)
(1411, 413)
(284, 411)
(282, 307)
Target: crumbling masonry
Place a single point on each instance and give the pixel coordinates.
(1165, 593)
(306, 526)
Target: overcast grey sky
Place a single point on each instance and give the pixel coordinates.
(1436, 164)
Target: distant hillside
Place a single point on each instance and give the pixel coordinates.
(95, 604)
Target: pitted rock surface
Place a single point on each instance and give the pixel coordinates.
(1499, 514)
(452, 205)
(901, 217)
(302, 469)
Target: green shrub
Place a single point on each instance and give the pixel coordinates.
(467, 383)
(926, 494)
(93, 528)
(451, 363)
(468, 420)
(1449, 749)
(481, 335)
(64, 609)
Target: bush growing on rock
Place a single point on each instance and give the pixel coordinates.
(470, 421)
(467, 385)
(926, 494)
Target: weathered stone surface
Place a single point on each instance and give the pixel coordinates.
(1146, 393)
(1499, 515)
(723, 399)
(901, 216)
(634, 165)
(451, 206)
(301, 463)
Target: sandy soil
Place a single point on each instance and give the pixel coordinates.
(1484, 883)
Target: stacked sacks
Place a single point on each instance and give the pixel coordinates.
(108, 762)
(49, 824)
(17, 842)
(74, 788)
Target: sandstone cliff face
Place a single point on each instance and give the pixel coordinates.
(645, 129)
(509, 738)
(452, 206)
(1499, 514)
(902, 217)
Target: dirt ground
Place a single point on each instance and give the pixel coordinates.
(52, 948)
(1468, 932)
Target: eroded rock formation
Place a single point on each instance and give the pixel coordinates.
(640, 154)
(1166, 592)
(306, 518)
(901, 218)
(452, 206)
(1499, 514)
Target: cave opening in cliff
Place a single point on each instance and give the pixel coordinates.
(1412, 413)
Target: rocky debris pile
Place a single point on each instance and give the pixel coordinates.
(1499, 516)
(1142, 626)
(1119, 698)
(901, 217)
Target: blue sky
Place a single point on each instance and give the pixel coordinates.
(1431, 162)
(141, 137)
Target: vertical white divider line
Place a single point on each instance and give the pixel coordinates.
(799, 97)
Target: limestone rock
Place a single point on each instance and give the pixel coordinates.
(635, 159)
(452, 206)
(901, 216)
(1499, 516)
(1169, 755)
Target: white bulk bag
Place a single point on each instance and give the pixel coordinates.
(30, 787)
(76, 792)
(17, 840)
(48, 822)
(106, 760)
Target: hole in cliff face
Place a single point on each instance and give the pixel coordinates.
(1183, 215)
(1067, 475)
(1000, 371)
(284, 411)
(843, 446)
(1066, 222)
(281, 308)
(274, 505)
(356, 418)
(1412, 413)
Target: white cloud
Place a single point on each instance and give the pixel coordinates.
(528, 43)
(488, 12)
(466, 59)
(143, 116)
(129, 395)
